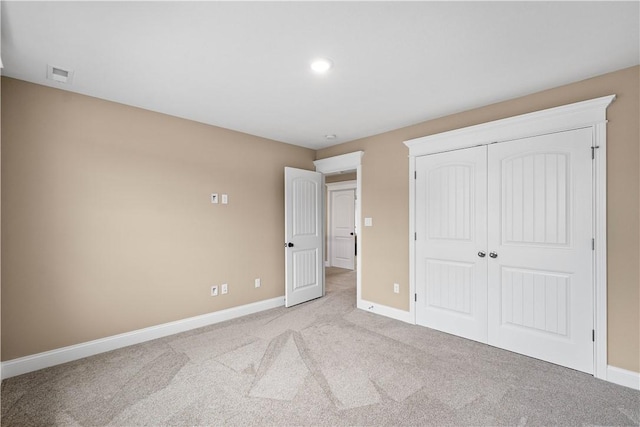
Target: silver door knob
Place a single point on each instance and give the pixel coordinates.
(481, 254)
(493, 255)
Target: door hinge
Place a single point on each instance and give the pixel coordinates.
(593, 335)
(593, 244)
(593, 152)
(415, 174)
(415, 236)
(415, 297)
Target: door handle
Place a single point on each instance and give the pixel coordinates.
(288, 245)
(481, 254)
(351, 234)
(493, 255)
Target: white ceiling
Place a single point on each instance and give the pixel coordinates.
(245, 65)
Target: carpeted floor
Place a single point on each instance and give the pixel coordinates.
(320, 363)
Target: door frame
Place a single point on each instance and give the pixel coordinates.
(331, 187)
(585, 114)
(343, 163)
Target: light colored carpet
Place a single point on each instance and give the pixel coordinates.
(320, 363)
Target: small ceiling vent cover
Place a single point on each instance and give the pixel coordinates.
(59, 74)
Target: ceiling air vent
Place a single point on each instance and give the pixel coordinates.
(60, 75)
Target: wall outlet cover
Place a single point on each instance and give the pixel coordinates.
(224, 288)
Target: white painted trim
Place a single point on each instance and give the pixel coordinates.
(623, 377)
(412, 241)
(343, 185)
(384, 310)
(571, 116)
(341, 163)
(323, 211)
(583, 114)
(58, 356)
(600, 253)
(360, 233)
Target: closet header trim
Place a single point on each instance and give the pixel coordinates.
(557, 119)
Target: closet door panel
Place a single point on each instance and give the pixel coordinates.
(540, 289)
(451, 279)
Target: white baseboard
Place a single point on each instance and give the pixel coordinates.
(384, 310)
(22, 365)
(614, 375)
(623, 377)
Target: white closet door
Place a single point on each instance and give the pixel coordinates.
(540, 221)
(451, 278)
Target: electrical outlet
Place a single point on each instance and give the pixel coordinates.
(396, 288)
(214, 291)
(225, 199)
(257, 283)
(224, 288)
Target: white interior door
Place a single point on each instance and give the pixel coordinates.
(451, 233)
(540, 222)
(342, 234)
(304, 267)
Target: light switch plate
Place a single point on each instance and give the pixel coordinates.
(225, 199)
(368, 222)
(214, 198)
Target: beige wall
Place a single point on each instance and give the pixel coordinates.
(107, 225)
(385, 198)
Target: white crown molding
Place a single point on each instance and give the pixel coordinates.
(58, 356)
(343, 162)
(557, 119)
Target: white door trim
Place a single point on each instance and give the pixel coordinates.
(343, 185)
(572, 116)
(347, 162)
(586, 114)
(335, 186)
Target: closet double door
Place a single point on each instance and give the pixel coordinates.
(504, 245)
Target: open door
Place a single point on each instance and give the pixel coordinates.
(303, 228)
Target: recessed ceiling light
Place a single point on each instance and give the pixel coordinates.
(321, 65)
(330, 137)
